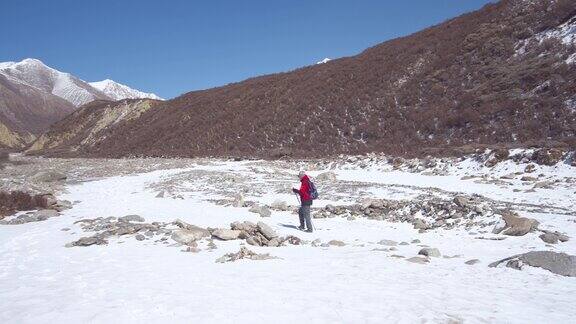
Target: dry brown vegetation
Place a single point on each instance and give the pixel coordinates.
(447, 89)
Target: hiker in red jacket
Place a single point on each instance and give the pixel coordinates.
(305, 202)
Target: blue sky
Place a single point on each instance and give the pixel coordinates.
(172, 47)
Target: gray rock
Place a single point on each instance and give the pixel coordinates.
(226, 234)
(131, 218)
(420, 224)
(187, 236)
(388, 242)
(430, 252)
(254, 240)
(262, 210)
(266, 230)
(416, 241)
(418, 260)
(279, 205)
(558, 263)
(549, 238)
(336, 243)
(87, 241)
(140, 237)
(44, 214)
(49, 176)
(326, 176)
(472, 262)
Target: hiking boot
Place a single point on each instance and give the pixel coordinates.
(301, 228)
(308, 231)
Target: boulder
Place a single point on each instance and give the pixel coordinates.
(266, 230)
(430, 252)
(472, 262)
(262, 210)
(49, 176)
(44, 214)
(559, 263)
(420, 224)
(336, 243)
(131, 218)
(326, 176)
(418, 260)
(187, 236)
(279, 205)
(547, 156)
(226, 234)
(87, 241)
(388, 242)
(245, 226)
(516, 225)
(549, 238)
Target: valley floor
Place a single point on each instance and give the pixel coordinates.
(365, 281)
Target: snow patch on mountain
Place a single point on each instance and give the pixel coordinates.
(326, 60)
(118, 91)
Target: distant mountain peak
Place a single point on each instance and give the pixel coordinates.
(118, 91)
(325, 60)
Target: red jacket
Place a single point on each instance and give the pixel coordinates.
(305, 189)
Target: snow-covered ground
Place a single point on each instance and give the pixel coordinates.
(129, 281)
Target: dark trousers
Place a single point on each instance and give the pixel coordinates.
(304, 214)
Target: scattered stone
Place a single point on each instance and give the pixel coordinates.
(87, 241)
(244, 253)
(326, 176)
(226, 234)
(131, 218)
(266, 230)
(430, 252)
(160, 194)
(388, 242)
(44, 214)
(472, 262)
(262, 210)
(418, 260)
(279, 205)
(336, 243)
(404, 243)
(48, 176)
(416, 241)
(420, 224)
(185, 236)
(549, 238)
(140, 237)
(558, 263)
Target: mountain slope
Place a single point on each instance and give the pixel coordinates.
(118, 91)
(500, 75)
(86, 127)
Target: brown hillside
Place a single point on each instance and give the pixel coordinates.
(488, 77)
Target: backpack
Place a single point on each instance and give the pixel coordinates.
(312, 190)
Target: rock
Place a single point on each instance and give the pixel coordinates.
(549, 238)
(530, 168)
(418, 260)
(558, 263)
(388, 242)
(404, 243)
(279, 205)
(48, 176)
(226, 234)
(326, 176)
(274, 242)
(87, 241)
(266, 230)
(262, 210)
(462, 201)
(430, 252)
(518, 226)
(140, 237)
(245, 226)
(316, 242)
(543, 185)
(160, 194)
(254, 240)
(547, 156)
(472, 262)
(293, 240)
(528, 178)
(131, 218)
(336, 243)
(420, 224)
(44, 214)
(201, 232)
(186, 236)
(499, 227)
(416, 241)
(244, 253)
(238, 200)
(62, 205)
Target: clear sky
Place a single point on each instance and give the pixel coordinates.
(170, 47)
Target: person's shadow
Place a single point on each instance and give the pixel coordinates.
(289, 226)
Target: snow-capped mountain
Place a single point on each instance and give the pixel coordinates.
(326, 60)
(34, 73)
(118, 91)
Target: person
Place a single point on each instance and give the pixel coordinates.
(305, 202)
